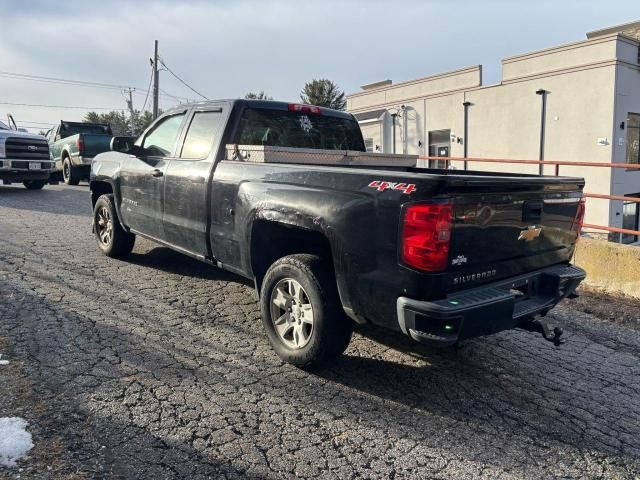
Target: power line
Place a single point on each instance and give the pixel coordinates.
(178, 99)
(79, 83)
(182, 81)
(144, 105)
(59, 106)
(164, 93)
(36, 123)
(25, 76)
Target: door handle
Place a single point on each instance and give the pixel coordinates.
(156, 173)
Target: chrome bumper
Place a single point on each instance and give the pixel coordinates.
(12, 165)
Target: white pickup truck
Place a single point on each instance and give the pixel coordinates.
(24, 157)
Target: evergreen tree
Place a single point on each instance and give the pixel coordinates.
(324, 93)
(258, 96)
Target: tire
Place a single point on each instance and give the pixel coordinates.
(70, 174)
(112, 240)
(301, 311)
(35, 184)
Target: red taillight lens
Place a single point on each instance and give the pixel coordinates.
(426, 234)
(576, 225)
(301, 108)
(80, 145)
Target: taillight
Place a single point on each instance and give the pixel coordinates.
(80, 145)
(426, 234)
(578, 220)
(301, 108)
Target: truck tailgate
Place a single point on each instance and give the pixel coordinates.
(95, 144)
(524, 226)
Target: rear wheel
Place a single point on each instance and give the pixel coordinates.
(301, 311)
(35, 184)
(70, 174)
(112, 239)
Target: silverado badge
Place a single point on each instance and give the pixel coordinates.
(530, 233)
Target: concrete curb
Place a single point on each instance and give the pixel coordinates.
(611, 267)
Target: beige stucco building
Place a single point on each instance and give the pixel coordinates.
(591, 89)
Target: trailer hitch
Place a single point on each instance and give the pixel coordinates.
(543, 328)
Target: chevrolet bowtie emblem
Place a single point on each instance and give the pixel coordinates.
(530, 233)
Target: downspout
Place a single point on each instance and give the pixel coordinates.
(543, 117)
(405, 129)
(393, 127)
(465, 145)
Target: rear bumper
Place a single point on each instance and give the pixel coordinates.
(80, 161)
(488, 309)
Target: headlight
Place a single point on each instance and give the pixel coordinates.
(2, 150)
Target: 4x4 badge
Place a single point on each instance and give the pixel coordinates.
(530, 233)
(381, 186)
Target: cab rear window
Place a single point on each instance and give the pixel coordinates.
(282, 128)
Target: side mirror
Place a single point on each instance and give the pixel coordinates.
(122, 144)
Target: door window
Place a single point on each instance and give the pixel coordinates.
(633, 138)
(161, 141)
(203, 131)
(630, 220)
(439, 144)
(368, 144)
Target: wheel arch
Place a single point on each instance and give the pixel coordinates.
(103, 187)
(99, 188)
(272, 240)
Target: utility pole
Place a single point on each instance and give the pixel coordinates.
(130, 107)
(155, 81)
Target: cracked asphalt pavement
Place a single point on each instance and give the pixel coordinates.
(158, 367)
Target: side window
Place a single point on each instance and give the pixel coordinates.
(162, 139)
(203, 131)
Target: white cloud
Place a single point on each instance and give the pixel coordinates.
(225, 49)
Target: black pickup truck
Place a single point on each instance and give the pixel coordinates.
(286, 195)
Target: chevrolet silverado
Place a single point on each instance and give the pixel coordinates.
(287, 196)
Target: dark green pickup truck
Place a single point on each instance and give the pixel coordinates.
(74, 144)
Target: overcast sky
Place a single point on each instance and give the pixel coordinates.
(226, 48)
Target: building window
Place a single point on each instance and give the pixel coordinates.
(630, 219)
(368, 143)
(633, 138)
(439, 146)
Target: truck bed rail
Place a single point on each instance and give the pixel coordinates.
(267, 154)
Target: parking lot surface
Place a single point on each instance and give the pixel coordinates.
(157, 367)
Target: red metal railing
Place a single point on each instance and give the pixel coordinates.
(557, 164)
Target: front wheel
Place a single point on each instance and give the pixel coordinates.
(35, 184)
(301, 311)
(112, 239)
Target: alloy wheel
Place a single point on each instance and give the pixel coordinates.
(292, 313)
(104, 226)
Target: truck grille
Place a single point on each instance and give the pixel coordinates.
(27, 149)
